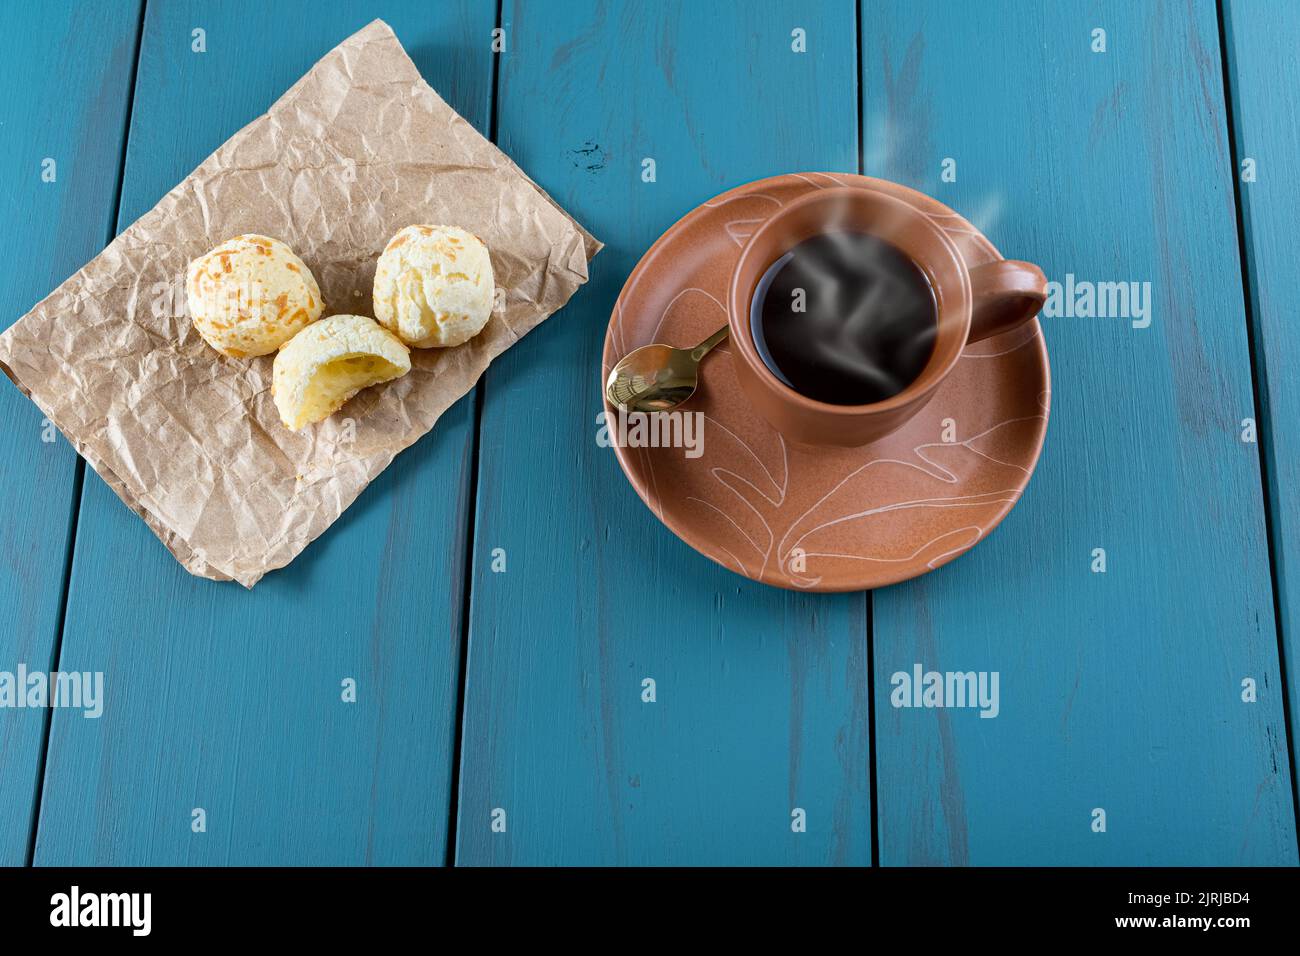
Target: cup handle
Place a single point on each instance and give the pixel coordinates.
(1004, 294)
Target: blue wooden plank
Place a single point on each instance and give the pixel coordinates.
(1264, 80)
(68, 72)
(231, 701)
(761, 694)
(1120, 691)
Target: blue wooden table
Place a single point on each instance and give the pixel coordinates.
(1141, 604)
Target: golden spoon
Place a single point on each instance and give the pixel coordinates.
(655, 378)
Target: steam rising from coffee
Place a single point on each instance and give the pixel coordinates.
(845, 317)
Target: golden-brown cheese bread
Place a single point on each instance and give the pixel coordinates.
(434, 286)
(250, 295)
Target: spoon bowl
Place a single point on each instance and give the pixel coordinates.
(657, 377)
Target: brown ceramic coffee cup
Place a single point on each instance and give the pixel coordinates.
(971, 304)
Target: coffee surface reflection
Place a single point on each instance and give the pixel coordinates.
(844, 318)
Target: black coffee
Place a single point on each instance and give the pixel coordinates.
(844, 318)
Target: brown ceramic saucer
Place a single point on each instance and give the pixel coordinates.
(818, 518)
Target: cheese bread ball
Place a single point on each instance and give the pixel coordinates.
(250, 295)
(433, 286)
(328, 362)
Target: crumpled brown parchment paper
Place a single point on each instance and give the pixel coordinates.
(190, 440)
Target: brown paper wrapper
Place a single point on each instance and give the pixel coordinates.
(358, 148)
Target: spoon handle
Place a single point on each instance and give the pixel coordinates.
(707, 345)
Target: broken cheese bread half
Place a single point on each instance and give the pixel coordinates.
(328, 362)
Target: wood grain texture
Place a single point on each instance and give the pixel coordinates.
(1121, 690)
(761, 694)
(229, 700)
(70, 107)
(1265, 88)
